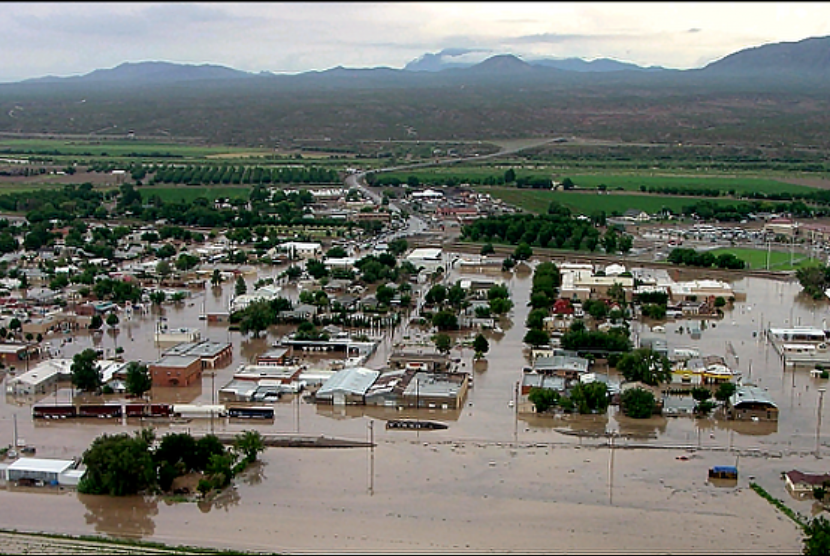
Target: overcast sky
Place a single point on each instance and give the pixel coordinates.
(64, 39)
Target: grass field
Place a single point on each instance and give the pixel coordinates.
(189, 193)
(629, 181)
(739, 184)
(756, 259)
(537, 201)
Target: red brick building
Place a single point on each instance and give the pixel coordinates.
(176, 370)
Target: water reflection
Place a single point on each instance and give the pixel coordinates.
(225, 500)
(129, 517)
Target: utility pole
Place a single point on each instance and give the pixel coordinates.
(371, 457)
(818, 421)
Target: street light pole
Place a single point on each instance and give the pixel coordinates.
(818, 421)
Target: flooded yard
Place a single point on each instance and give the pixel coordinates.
(492, 481)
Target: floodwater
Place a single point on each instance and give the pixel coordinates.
(490, 482)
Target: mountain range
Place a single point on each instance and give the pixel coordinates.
(809, 58)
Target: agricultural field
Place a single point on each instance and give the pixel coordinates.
(535, 200)
(736, 183)
(756, 259)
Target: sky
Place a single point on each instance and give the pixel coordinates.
(73, 38)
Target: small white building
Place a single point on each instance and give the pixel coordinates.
(302, 250)
(429, 258)
(42, 471)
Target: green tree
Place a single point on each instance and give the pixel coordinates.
(216, 278)
(240, 288)
(118, 465)
(536, 337)
(645, 365)
(436, 294)
(817, 537)
(509, 176)
(543, 398)
(112, 319)
(138, 379)
(488, 249)
(156, 298)
(85, 374)
(638, 403)
(725, 391)
(590, 398)
(523, 252)
(445, 320)
(256, 318)
(481, 346)
(249, 444)
(500, 306)
(163, 269)
(443, 343)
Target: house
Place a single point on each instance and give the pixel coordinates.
(636, 215)
(801, 484)
(751, 402)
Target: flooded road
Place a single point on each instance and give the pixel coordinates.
(492, 481)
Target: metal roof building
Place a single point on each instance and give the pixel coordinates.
(49, 471)
(347, 386)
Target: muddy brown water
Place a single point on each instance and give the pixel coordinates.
(490, 482)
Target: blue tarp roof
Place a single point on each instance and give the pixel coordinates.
(725, 469)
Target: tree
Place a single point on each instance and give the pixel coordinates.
(118, 465)
(293, 272)
(590, 398)
(256, 317)
(112, 319)
(625, 244)
(216, 278)
(508, 264)
(384, 294)
(543, 398)
(240, 288)
(500, 306)
(163, 269)
(522, 252)
(638, 403)
(488, 249)
(481, 346)
(85, 374)
(156, 298)
(536, 337)
(817, 537)
(436, 294)
(645, 365)
(509, 176)
(316, 269)
(445, 320)
(249, 444)
(725, 391)
(138, 379)
(443, 343)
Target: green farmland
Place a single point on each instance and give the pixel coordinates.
(756, 259)
(536, 200)
(739, 184)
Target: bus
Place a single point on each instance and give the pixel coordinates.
(242, 412)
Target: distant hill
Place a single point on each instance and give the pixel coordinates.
(151, 72)
(807, 58)
(438, 62)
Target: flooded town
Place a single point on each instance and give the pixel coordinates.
(380, 438)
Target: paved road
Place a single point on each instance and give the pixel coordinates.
(416, 224)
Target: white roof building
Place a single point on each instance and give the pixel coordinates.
(352, 382)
